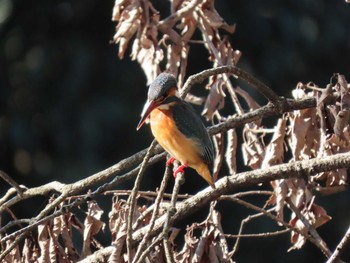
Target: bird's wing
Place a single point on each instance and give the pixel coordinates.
(191, 125)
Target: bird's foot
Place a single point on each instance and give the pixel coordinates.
(180, 169)
(170, 161)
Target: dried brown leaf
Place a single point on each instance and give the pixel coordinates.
(231, 151)
(27, 251)
(341, 120)
(219, 156)
(316, 216)
(185, 255)
(251, 149)
(149, 59)
(66, 233)
(212, 17)
(252, 104)
(44, 243)
(216, 98)
(280, 194)
(118, 7)
(304, 134)
(344, 92)
(118, 227)
(210, 246)
(328, 91)
(129, 22)
(173, 58)
(274, 153)
(92, 225)
(14, 255)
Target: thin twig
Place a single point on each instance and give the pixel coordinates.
(15, 223)
(212, 48)
(71, 189)
(11, 182)
(132, 198)
(170, 21)
(267, 234)
(171, 211)
(145, 193)
(35, 222)
(310, 228)
(150, 247)
(243, 194)
(243, 223)
(340, 248)
(275, 218)
(236, 71)
(154, 214)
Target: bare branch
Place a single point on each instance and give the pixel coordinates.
(132, 198)
(340, 248)
(229, 184)
(171, 211)
(267, 234)
(11, 182)
(154, 215)
(239, 73)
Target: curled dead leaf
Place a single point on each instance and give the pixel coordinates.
(92, 225)
(129, 22)
(316, 216)
(231, 151)
(216, 98)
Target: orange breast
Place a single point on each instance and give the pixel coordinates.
(176, 144)
(172, 140)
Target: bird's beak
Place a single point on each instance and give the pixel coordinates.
(149, 107)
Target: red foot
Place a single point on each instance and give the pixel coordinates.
(180, 169)
(170, 161)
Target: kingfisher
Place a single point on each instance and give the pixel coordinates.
(178, 128)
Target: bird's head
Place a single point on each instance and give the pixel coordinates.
(161, 88)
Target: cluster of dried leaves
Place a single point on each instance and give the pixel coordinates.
(299, 135)
(54, 241)
(305, 134)
(153, 39)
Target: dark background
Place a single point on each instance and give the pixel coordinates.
(69, 106)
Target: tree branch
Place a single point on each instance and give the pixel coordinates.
(340, 248)
(229, 184)
(239, 73)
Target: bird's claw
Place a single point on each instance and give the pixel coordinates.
(170, 161)
(180, 169)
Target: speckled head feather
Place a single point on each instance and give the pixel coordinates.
(161, 86)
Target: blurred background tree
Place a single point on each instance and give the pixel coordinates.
(69, 106)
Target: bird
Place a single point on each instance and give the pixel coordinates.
(178, 128)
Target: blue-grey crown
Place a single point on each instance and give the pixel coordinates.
(161, 86)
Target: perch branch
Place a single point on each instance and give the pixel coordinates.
(229, 184)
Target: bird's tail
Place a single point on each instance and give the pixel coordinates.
(204, 171)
